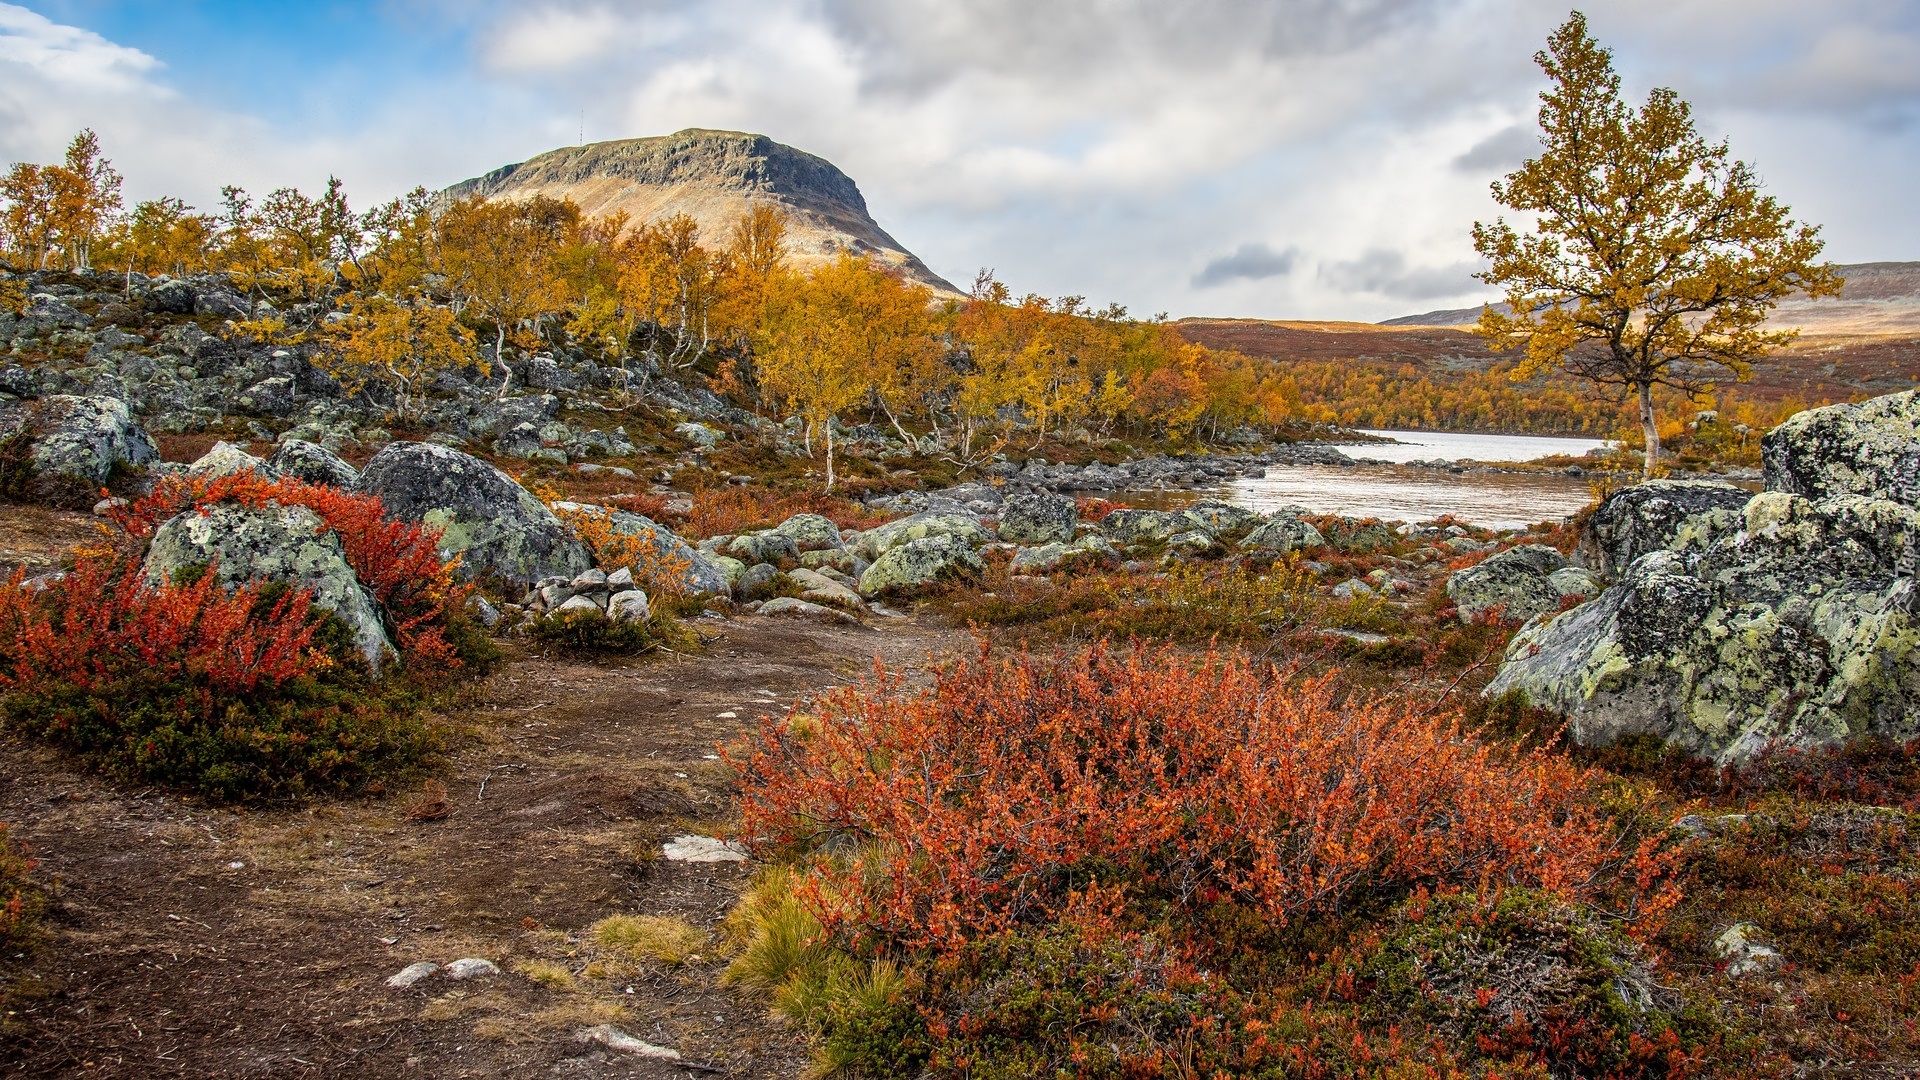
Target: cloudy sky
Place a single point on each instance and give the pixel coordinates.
(1270, 158)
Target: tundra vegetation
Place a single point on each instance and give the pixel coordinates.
(1207, 794)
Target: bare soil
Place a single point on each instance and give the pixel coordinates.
(188, 940)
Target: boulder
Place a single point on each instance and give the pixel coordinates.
(1037, 517)
(299, 459)
(700, 435)
(1223, 517)
(1280, 534)
(919, 562)
(757, 581)
(628, 606)
(704, 574)
(497, 527)
(763, 547)
(842, 560)
(77, 444)
(1134, 526)
(824, 590)
(226, 459)
(275, 543)
(1797, 627)
(1656, 515)
(877, 541)
(811, 532)
(1864, 448)
(1518, 581)
(792, 608)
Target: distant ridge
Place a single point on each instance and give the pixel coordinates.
(712, 176)
(1878, 298)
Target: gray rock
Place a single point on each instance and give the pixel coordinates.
(46, 313)
(288, 544)
(484, 611)
(1656, 515)
(811, 532)
(756, 582)
(221, 304)
(471, 967)
(1575, 581)
(77, 443)
(699, 434)
(1221, 518)
(1134, 526)
(1865, 448)
(763, 547)
(1193, 542)
(628, 606)
(268, 397)
(731, 570)
(1354, 589)
(576, 603)
(1038, 560)
(842, 560)
(620, 580)
(1744, 955)
(1281, 534)
(412, 973)
(1517, 581)
(875, 542)
(171, 298)
(226, 459)
(313, 463)
(917, 563)
(614, 1039)
(497, 527)
(1037, 517)
(793, 608)
(1798, 628)
(824, 590)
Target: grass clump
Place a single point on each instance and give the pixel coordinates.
(585, 633)
(663, 938)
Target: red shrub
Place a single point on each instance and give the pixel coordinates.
(1093, 508)
(1018, 792)
(732, 510)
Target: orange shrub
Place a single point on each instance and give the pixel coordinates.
(655, 570)
(1026, 791)
(733, 510)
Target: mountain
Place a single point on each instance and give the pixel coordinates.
(1880, 298)
(712, 176)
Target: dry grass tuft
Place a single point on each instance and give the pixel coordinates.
(664, 938)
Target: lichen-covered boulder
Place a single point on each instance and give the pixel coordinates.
(811, 532)
(274, 543)
(700, 435)
(821, 589)
(1863, 448)
(918, 563)
(1657, 515)
(76, 444)
(1135, 526)
(496, 526)
(1798, 627)
(1037, 517)
(1046, 558)
(877, 541)
(1280, 534)
(1223, 518)
(764, 547)
(703, 574)
(299, 459)
(1517, 581)
(226, 459)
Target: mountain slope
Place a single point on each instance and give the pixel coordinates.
(1878, 298)
(712, 176)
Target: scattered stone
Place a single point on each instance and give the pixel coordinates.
(1135, 526)
(614, 1039)
(313, 463)
(702, 849)
(700, 435)
(693, 572)
(411, 974)
(1744, 955)
(576, 603)
(77, 443)
(628, 606)
(764, 547)
(824, 590)
(1281, 534)
(227, 459)
(1354, 589)
(1517, 581)
(471, 967)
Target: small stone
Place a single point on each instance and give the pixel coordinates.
(702, 849)
(620, 579)
(471, 967)
(413, 973)
(578, 603)
(1745, 956)
(614, 1039)
(589, 579)
(629, 605)
(787, 605)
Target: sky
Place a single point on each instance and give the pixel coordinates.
(1299, 159)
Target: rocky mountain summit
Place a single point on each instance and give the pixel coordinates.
(712, 176)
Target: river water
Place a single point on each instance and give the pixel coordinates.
(1398, 492)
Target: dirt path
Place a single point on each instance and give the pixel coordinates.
(198, 942)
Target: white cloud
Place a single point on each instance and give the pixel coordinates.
(75, 59)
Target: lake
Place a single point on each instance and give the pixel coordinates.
(1404, 493)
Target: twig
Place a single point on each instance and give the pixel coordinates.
(489, 776)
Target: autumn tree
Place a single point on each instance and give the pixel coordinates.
(399, 345)
(164, 236)
(61, 209)
(671, 283)
(1654, 258)
(497, 257)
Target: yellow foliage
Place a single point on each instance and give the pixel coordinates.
(399, 344)
(658, 572)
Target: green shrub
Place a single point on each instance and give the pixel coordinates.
(591, 633)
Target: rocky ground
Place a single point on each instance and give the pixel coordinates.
(203, 942)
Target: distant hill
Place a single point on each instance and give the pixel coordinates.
(1880, 298)
(712, 176)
